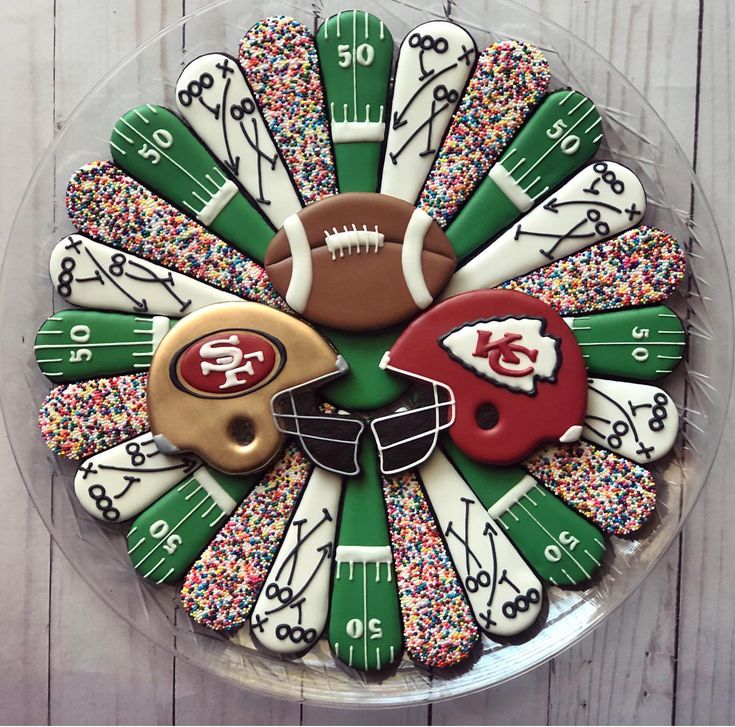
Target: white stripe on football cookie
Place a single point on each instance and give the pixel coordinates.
(413, 246)
(299, 287)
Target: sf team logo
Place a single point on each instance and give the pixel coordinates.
(226, 363)
(224, 355)
(514, 353)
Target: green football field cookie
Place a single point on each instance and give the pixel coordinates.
(158, 149)
(563, 133)
(562, 547)
(640, 343)
(365, 629)
(356, 53)
(166, 539)
(73, 344)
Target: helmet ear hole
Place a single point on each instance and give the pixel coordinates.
(486, 416)
(241, 430)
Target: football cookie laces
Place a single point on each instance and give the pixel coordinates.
(432, 231)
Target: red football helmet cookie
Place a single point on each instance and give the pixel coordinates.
(508, 366)
(359, 261)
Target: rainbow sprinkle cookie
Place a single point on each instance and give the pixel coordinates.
(642, 266)
(509, 82)
(221, 588)
(79, 420)
(616, 494)
(111, 207)
(279, 58)
(438, 628)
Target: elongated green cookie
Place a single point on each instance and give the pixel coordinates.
(167, 538)
(78, 344)
(640, 343)
(365, 619)
(562, 547)
(563, 133)
(355, 54)
(154, 146)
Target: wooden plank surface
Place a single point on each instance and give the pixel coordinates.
(24, 541)
(666, 655)
(706, 654)
(101, 670)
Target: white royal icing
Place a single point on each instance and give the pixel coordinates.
(538, 354)
(299, 287)
(337, 241)
(510, 498)
(122, 481)
(601, 201)
(510, 188)
(223, 112)
(217, 203)
(346, 132)
(292, 608)
(503, 592)
(637, 421)
(411, 250)
(160, 326)
(428, 87)
(92, 275)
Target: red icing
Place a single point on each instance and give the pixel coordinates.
(227, 362)
(503, 349)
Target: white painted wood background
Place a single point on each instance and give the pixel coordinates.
(667, 656)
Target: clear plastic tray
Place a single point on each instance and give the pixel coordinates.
(634, 135)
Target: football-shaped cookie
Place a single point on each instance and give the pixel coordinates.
(359, 261)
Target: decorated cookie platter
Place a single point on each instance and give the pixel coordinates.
(378, 351)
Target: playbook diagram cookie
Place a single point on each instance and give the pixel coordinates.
(363, 349)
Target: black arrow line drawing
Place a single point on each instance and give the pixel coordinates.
(261, 156)
(553, 206)
(141, 306)
(398, 119)
(559, 238)
(187, 466)
(131, 481)
(429, 122)
(618, 407)
(469, 553)
(165, 282)
(491, 532)
(292, 556)
(325, 554)
(232, 162)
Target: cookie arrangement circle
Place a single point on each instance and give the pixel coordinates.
(385, 479)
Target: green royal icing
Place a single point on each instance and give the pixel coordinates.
(562, 547)
(639, 343)
(158, 149)
(365, 621)
(366, 385)
(562, 134)
(356, 53)
(82, 344)
(167, 538)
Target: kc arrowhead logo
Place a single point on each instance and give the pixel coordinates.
(514, 353)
